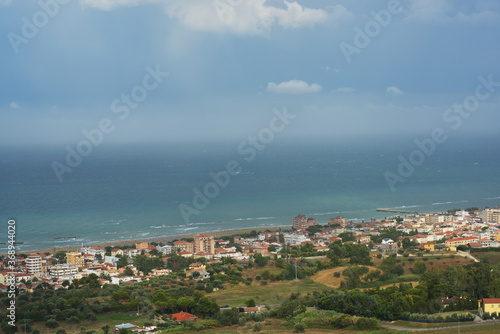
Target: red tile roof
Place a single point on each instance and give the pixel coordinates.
(183, 316)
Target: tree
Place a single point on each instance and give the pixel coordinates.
(261, 260)
(122, 262)
(250, 303)
(61, 256)
(128, 272)
(105, 329)
(419, 268)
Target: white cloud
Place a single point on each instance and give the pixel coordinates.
(394, 90)
(344, 90)
(244, 17)
(14, 105)
(293, 87)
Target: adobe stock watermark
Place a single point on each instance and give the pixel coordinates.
(11, 265)
(121, 107)
(373, 28)
(454, 117)
(222, 7)
(247, 150)
(31, 27)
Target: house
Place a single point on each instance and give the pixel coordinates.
(251, 309)
(489, 305)
(127, 326)
(116, 251)
(428, 246)
(166, 249)
(183, 316)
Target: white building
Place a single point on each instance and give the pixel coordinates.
(167, 249)
(63, 270)
(34, 264)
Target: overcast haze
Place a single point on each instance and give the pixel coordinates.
(229, 66)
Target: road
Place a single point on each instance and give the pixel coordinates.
(401, 328)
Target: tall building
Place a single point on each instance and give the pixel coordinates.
(75, 258)
(491, 215)
(204, 243)
(302, 222)
(34, 264)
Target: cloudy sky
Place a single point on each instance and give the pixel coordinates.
(223, 65)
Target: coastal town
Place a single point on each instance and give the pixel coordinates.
(193, 258)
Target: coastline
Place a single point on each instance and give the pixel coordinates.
(215, 234)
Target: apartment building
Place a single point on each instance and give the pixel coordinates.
(204, 243)
(491, 215)
(34, 264)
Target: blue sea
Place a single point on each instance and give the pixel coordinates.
(132, 191)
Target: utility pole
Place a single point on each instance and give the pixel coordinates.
(295, 268)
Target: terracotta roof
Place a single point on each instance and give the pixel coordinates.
(183, 316)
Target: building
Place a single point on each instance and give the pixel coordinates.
(339, 220)
(34, 264)
(302, 222)
(489, 305)
(183, 316)
(491, 215)
(142, 246)
(204, 243)
(183, 246)
(460, 241)
(116, 251)
(75, 258)
(63, 270)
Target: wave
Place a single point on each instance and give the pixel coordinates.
(251, 218)
(160, 226)
(439, 203)
(119, 232)
(325, 213)
(407, 207)
(493, 197)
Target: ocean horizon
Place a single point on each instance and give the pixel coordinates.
(134, 191)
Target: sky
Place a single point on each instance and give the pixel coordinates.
(214, 70)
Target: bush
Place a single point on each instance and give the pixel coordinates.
(366, 323)
(336, 274)
(51, 323)
(242, 321)
(299, 328)
(263, 282)
(257, 327)
(257, 278)
(61, 331)
(73, 320)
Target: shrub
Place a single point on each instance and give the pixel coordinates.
(366, 323)
(263, 282)
(299, 328)
(61, 331)
(51, 323)
(73, 320)
(242, 321)
(257, 327)
(336, 274)
(258, 278)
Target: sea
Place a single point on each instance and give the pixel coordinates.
(147, 190)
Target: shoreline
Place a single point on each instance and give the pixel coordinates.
(215, 234)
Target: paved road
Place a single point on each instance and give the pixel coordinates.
(467, 254)
(487, 322)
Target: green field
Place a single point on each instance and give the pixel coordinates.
(493, 257)
(111, 320)
(272, 293)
